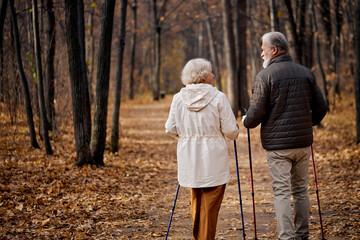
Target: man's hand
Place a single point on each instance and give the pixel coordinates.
(243, 118)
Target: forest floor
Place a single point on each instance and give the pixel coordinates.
(48, 197)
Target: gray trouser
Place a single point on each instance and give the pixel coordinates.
(289, 175)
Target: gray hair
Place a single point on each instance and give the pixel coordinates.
(276, 39)
(194, 71)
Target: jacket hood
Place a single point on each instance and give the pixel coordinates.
(197, 96)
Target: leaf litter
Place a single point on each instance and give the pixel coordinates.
(48, 197)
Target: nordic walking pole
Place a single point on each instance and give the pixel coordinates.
(252, 185)
(172, 211)
(317, 192)
(238, 179)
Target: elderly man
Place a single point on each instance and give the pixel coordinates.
(287, 101)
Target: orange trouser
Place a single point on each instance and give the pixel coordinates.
(205, 206)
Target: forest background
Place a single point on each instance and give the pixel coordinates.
(67, 66)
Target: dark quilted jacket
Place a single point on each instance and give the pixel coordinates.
(287, 101)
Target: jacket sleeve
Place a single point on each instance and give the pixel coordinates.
(170, 125)
(258, 103)
(319, 106)
(227, 119)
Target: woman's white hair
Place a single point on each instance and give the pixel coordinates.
(194, 71)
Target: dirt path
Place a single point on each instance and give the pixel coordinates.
(165, 181)
(47, 197)
(149, 129)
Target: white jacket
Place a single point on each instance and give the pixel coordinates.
(201, 116)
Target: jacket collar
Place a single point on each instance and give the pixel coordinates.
(281, 58)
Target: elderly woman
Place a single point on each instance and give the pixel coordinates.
(201, 117)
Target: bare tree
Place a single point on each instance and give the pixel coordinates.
(81, 33)
(133, 47)
(44, 124)
(325, 18)
(78, 79)
(158, 19)
(3, 5)
(308, 42)
(241, 53)
(29, 112)
(50, 55)
(274, 21)
(90, 52)
(317, 43)
(338, 23)
(98, 137)
(357, 79)
(30, 54)
(114, 145)
(253, 48)
(301, 29)
(230, 56)
(293, 35)
(213, 52)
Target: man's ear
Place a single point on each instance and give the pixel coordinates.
(275, 50)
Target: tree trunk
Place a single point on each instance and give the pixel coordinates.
(40, 19)
(301, 30)
(157, 63)
(326, 19)
(326, 22)
(29, 112)
(293, 36)
(350, 38)
(98, 137)
(79, 84)
(274, 21)
(357, 79)
(253, 47)
(241, 50)
(3, 5)
(30, 42)
(157, 47)
(133, 47)
(157, 52)
(338, 23)
(44, 124)
(90, 52)
(318, 56)
(114, 145)
(49, 71)
(213, 54)
(308, 49)
(229, 45)
(10, 90)
(81, 32)
(29, 24)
